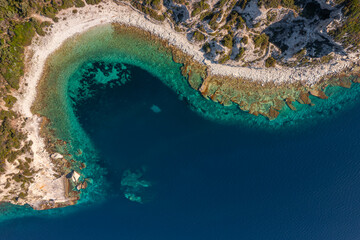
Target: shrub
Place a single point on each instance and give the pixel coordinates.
(38, 27)
(228, 41)
(271, 16)
(213, 24)
(270, 62)
(261, 41)
(224, 59)
(205, 15)
(23, 195)
(6, 114)
(245, 40)
(220, 3)
(269, 3)
(156, 4)
(23, 33)
(288, 3)
(199, 7)
(243, 3)
(206, 47)
(93, 2)
(198, 36)
(9, 100)
(241, 54)
(79, 3)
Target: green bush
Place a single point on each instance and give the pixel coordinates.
(23, 195)
(23, 34)
(79, 3)
(243, 3)
(241, 54)
(199, 7)
(288, 3)
(245, 40)
(261, 41)
(198, 36)
(67, 4)
(220, 3)
(205, 15)
(224, 59)
(10, 139)
(6, 114)
(270, 62)
(49, 11)
(206, 47)
(93, 2)
(228, 41)
(269, 3)
(38, 27)
(156, 4)
(213, 24)
(9, 100)
(271, 16)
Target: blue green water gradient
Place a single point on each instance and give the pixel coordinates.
(211, 172)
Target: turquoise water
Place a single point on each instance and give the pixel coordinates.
(166, 163)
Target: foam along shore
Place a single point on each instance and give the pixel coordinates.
(47, 187)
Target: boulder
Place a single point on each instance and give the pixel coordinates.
(82, 185)
(273, 113)
(289, 102)
(304, 98)
(74, 176)
(344, 82)
(318, 93)
(56, 156)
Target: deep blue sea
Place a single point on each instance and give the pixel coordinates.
(163, 168)
(208, 180)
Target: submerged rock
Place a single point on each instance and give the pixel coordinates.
(82, 185)
(155, 109)
(304, 98)
(133, 186)
(318, 93)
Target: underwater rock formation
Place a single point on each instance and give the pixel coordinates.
(133, 186)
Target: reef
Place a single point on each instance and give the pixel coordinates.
(133, 186)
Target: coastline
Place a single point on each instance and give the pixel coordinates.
(48, 188)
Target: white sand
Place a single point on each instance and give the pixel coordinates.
(46, 186)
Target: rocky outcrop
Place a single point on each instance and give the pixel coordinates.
(318, 93)
(289, 102)
(82, 185)
(74, 176)
(304, 98)
(56, 156)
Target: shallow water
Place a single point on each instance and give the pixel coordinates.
(209, 178)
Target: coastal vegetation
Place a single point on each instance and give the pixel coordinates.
(270, 62)
(199, 7)
(18, 26)
(349, 31)
(198, 36)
